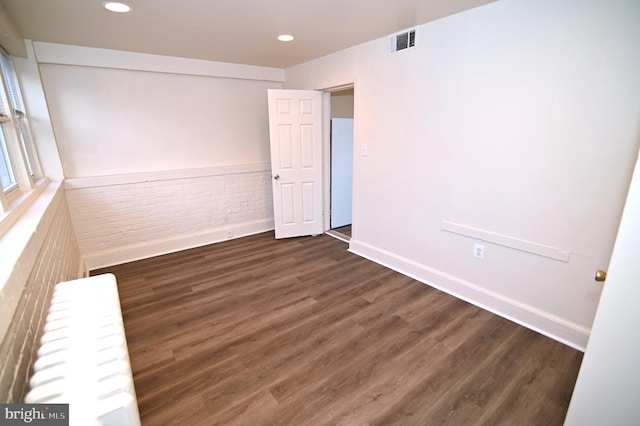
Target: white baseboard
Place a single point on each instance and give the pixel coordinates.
(149, 249)
(543, 322)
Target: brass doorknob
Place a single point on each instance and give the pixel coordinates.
(600, 275)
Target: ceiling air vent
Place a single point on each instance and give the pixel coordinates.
(403, 40)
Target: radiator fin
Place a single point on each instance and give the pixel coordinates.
(83, 358)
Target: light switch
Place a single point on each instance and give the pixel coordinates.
(364, 150)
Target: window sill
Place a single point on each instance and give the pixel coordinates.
(19, 202)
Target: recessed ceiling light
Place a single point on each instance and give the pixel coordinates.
(285, 37)
(115, 6)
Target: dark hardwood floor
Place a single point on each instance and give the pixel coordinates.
(300, 332)
(344, 230)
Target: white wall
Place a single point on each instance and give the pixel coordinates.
(122, 218)
(39, 251)
(342, 104)
(109, 120)
(515, 123)
(160, 153)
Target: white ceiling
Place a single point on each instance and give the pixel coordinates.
(238, 31)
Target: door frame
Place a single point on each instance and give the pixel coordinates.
(326, 150)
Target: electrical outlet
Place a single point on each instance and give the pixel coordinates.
(230, 233)
(478, 251)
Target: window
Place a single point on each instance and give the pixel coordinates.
(6, 172)
(18, 109)
(19, 168)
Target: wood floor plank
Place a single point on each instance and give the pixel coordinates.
(300, 331)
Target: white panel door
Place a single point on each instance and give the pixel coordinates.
(295, 129)
(607, 391)
(341, 171)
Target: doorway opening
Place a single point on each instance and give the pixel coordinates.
(341, 162)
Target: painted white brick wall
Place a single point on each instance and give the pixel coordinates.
(129, 217)
(58, 260)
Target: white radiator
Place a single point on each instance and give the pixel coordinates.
(83, 359)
